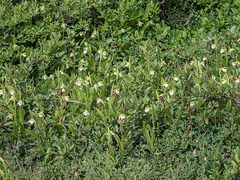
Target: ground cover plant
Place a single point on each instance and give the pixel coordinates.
(119, 89)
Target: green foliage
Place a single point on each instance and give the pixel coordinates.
(3, 170)
(88, 91)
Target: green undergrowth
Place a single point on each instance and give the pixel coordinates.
(119, 89)
(181, 154)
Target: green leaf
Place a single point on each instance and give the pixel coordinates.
(11, 135)
(71, 147)
(101, 114)
(118, 141)
(33, 134)
(22, 114)
(1, 159)
(41, 108)
(111, 102)
(144, 28)
(2, 173)
(46, 159)
(195, 79)
(233, 29)
(229, 105)
(109, 137)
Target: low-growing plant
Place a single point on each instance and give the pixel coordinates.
(119, 92)
(3, 170)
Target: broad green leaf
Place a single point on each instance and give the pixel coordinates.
(229, 105)
(195, 79)
(101, 114)
(1, 159)
(2, 173)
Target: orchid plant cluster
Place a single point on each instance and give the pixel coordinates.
(104, 95)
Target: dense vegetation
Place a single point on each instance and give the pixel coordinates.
(119, 89)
